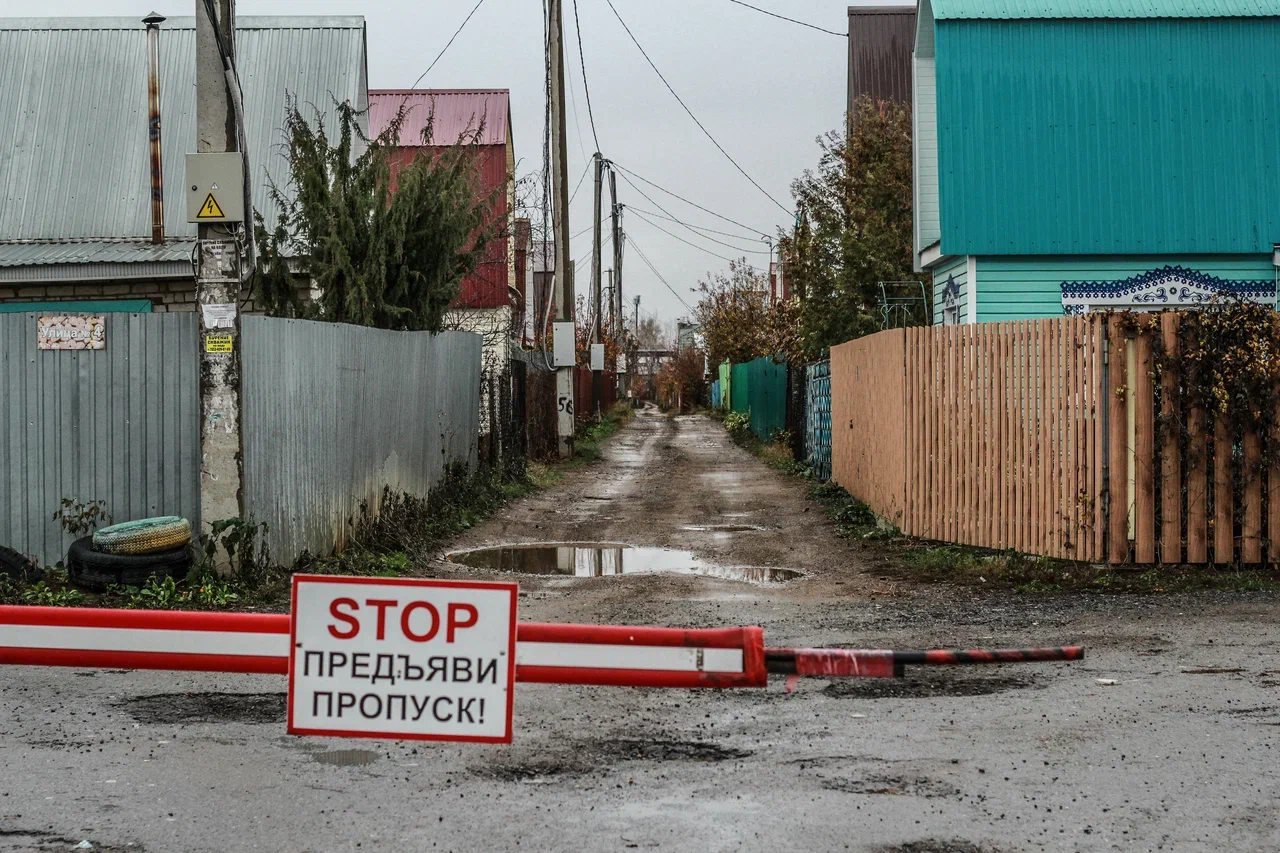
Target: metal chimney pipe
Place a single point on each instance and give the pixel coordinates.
(153, 22)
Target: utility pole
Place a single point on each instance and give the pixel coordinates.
(613, 315)
(634, 366)
(560, 219)
(618, 319)
(769, 273)
(597, 384)
(218, 278)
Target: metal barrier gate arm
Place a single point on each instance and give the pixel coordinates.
(545, 653)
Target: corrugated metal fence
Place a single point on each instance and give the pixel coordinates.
(760, 387)
(120, 424)
(584, 401)
(817, 440)
(333, 413)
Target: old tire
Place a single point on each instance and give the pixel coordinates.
(145, 536)
(18, 566)
(95, 570)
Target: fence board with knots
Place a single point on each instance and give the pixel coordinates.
(1062, 437)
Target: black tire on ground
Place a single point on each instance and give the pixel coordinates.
(96, 571)
(19, 567)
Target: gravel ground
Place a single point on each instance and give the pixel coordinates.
(1179, 753)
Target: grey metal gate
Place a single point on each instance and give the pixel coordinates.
(120, 424)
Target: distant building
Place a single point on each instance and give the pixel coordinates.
(543, 283)
(491, 298)
(75, 173)
(880, 42)
(686, 334)
(779, 286)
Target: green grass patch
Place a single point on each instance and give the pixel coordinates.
(588, 441)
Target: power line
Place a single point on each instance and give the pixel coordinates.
(573, 99)
(583, 61)
(574, 194)
(792, 20)
(603, 220)
(690, 112)
(446, 46)
(680, 197)
(608, 240)
(671, 218)
(647, 263)
(681, 239)
(644, 214)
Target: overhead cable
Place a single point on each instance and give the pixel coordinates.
(654, 269)
(692, 116)
(681, 239)
(792, 20)
(446, 46)
(680, 197)
(643, 214)
(583, 61)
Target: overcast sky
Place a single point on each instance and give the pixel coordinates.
(763, 87)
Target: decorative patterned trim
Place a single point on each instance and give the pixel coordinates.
(1169, 286)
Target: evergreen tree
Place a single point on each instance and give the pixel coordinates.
(380, 247)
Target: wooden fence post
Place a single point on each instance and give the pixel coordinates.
(1170, 458)
(1117, 468)
(1144, 506)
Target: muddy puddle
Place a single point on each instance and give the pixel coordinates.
(598, 560)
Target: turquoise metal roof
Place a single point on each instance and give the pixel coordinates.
(1109, 137)
(1021, 9)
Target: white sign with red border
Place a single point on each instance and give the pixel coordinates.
(402, 658)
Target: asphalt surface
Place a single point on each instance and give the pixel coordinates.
(1177, 751)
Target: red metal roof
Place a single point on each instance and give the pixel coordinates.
(456, 111)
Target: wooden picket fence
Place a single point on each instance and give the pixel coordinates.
(1040, 436)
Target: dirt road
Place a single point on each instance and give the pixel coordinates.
(1179, 753)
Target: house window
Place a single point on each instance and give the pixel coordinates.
(951, 302)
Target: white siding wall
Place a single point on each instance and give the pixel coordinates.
(926, 153)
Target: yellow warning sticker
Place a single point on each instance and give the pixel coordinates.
(210, 209)
(217, 343)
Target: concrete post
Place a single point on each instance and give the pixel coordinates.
(217, 283)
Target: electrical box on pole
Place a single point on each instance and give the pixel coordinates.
(215, 187)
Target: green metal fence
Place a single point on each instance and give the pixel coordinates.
(760, 387)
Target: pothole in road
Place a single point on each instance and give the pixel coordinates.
(723, 528)
(937, 845)
(919, 786)
(925, 685)
(587, 560)
(346, 757)
(587, 756)
(169, 708)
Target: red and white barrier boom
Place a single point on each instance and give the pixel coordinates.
(545, 653)
(429, 659)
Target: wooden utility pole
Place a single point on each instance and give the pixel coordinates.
(618, 320)
(218, 278)
(560, 220)
(597, 384)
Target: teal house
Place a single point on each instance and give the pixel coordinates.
(1072, 155)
